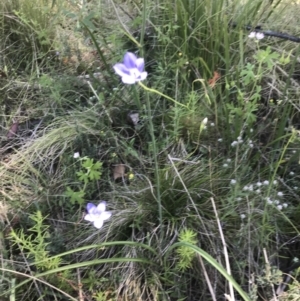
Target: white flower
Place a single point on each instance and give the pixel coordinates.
(234, 143)
(279, 207)
(243, 216)
(256, 35)
(276, 202)
(292, 173)
(76, 155)
(204, 121)
(258, 184)
(225, 165)
(220, 140)
(266, 182)
(97, 214)
(280, 194)
(232, 181)
(284, 205)
(260, 35)
(239, 199)
(252, 35)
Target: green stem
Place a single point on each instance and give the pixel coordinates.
(154, 151)
(161, 94)
(137, 97)
(143, 27)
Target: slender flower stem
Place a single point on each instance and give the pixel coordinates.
(154, 151)
(137, 97)
(161, 94)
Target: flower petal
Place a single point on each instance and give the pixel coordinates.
(128, 79)
(130, 60)
(89, 217)
(105, 215)
(252, 35)
(98, 223)
(101, 207)
(121, 69)
(143, 75)
(90, 207)
(140, 64)
(260, 35)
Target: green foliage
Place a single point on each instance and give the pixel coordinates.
(247, 74)
(35, 245)
(267, 58)
(91, 171)
(76, 197)
(186, 255)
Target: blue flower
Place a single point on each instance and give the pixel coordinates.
(131, 70)
(97, 214)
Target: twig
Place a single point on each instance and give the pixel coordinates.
(231, 297)
(270, 33)
(80, 294)
(211, 290)
(268, 272)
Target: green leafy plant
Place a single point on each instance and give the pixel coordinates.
(186, 255)
(91, 171)
(267, 57)
(76, 197)
(35, 244)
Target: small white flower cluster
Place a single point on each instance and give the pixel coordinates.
(256, 35)
(265, 183)
(277, 202)
(226, 164)
(238, 141)
(92, 98)
(250, 143)
(257, 187)
(232, 181)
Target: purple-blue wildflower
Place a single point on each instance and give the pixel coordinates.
(97, 214)
(132, 69)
